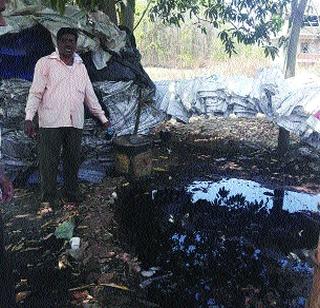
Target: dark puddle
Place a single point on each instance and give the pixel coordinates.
(232, 243)
(290, 201)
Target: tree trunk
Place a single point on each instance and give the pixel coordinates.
(296, 21)
(314, 299)
(109, 8)
(296, 24)
(127, 13)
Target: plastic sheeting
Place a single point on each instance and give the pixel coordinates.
(19, 52)
(120, 99)
(21, 15)
(287, 102)
(118, 58)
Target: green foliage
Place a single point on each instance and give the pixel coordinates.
(240, 21)
(186, 46)
(248, 22)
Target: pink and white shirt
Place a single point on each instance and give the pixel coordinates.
(58, 93)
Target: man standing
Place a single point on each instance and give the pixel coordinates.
(60, 88)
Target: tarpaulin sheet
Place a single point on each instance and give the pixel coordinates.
(19, 52)
(20, 16)
(290, 103)
(120, 99)
(107, 52)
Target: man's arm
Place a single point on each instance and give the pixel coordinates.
(35, 96)
(37, 89)
(92, 103)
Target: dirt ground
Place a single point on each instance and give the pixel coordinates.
(106, 273)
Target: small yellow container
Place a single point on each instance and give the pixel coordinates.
(133, 155)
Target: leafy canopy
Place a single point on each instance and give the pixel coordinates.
(242, 21)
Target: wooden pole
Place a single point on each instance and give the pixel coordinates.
(283, 141)
(136, 125)
(314, 299)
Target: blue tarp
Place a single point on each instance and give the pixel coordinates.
(19, 52)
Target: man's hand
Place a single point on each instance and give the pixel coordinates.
(106, 124)
(7, 189)
(29, 129)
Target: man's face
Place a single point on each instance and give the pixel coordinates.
(67, 45)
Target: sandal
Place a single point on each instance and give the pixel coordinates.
(45, 209)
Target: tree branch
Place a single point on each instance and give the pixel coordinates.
(142, 16)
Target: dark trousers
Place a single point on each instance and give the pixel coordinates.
(53, 143)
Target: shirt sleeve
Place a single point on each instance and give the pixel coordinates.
(92, 102)
(37, 89)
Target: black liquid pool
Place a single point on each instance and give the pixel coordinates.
(232, 243)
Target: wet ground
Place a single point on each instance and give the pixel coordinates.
(267, 237)
(231, 243)
(40, 277)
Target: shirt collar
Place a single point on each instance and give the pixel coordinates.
(76, 57)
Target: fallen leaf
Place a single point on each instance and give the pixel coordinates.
(21, 296)
(116, 286)
(159, 169)
(163, 157)
(80, 295)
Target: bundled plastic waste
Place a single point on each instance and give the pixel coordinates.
(287, 102)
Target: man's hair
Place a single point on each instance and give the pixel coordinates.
(64, 31)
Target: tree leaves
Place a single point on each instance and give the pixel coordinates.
(248, 21)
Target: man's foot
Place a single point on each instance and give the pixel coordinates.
(45, 209)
